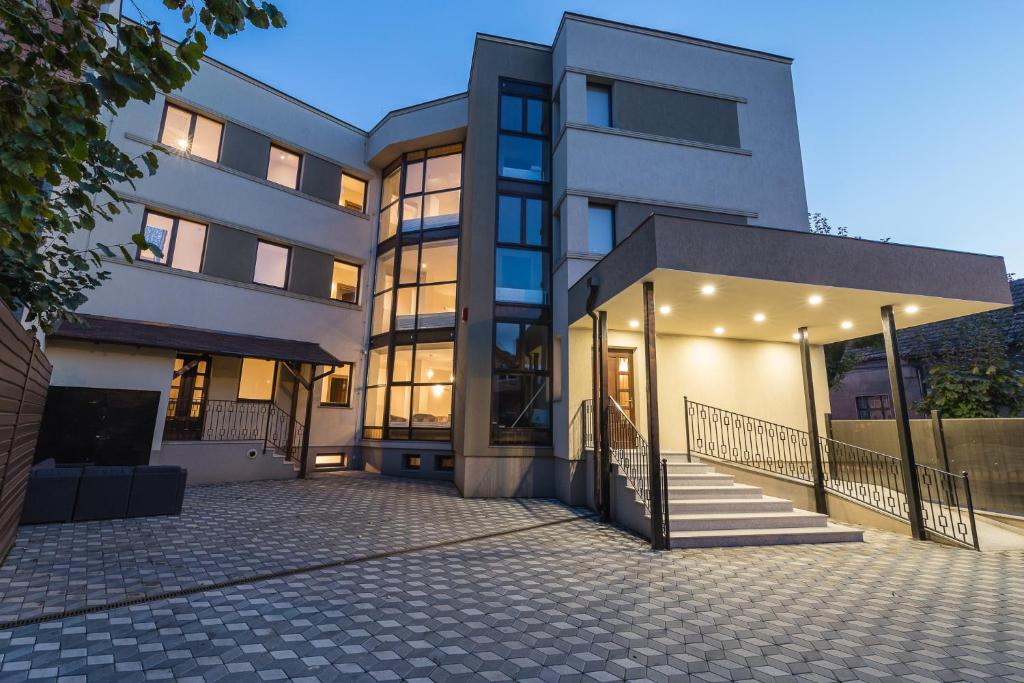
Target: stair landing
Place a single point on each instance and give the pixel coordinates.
(708, 510)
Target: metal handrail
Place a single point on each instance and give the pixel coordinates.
(868, 477)
(581, 429)
(629, 450)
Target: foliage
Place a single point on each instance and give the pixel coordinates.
(65, 64)
(972, 375)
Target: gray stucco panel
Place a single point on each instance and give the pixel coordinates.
(675, 114)
(245, 150)
(230, 253)
(321, 179)
(311, 272)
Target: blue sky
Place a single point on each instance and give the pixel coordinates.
(910, 112)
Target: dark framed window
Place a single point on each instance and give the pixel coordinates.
(444, 463)
(257, 378)
(524, 131)
(353, 192)
(272, 261)
(191, 133)
(521, 276)
(337, 387)
(600, 228)
(283, 167)
(599, 105)
(411, 461)
(877, 407)
(182, 243)
(345, 282)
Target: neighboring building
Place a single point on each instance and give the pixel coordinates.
(864, 393)
(445, 264)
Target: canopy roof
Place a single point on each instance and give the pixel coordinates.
(834, 286)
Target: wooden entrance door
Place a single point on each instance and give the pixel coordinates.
(186, 401)
(620, 380)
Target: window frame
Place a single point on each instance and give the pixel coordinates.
(526, 91)
(610, 208)
(359, 279)
(191, 130)
(348, 397)
(298, 170)
(287, 265)
(607, 89)
(172, 241)
(273, 382)
(341, 193)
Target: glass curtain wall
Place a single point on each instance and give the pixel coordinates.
(410, 369)
(520, 382)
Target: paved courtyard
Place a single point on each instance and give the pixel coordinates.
(450, 589)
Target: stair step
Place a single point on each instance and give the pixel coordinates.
(689, 468)
(747, 520)
(721, 538)
(700, 479)
(728, 505)
(712, 491)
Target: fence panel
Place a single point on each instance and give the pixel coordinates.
(24, 380)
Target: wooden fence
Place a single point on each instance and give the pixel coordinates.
(24, 380)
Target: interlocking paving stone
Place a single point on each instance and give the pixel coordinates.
(577, 601)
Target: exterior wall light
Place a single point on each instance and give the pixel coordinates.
(814, 299)
(719, 330)
(707, 290)
(759, 317)
(846, 324)
(634, 324)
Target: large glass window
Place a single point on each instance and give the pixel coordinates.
(345, 282)
(337, 387)
(283, 167)
(181, 242)
(271, 265)
(353, 192)
(520, 276)
(191, 133)
(415, 297)
(256, 379)
(599, 105)
(523, 140)
(522, 158)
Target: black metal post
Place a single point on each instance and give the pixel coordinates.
(686, 426)
(899, 409)
(970, 510)
(653, 432)
(820, 500)
(941, 454)
(830, 437)
(605, 459)
(305, 425)
(596, 414)
(665, 505)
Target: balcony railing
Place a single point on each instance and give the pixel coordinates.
(224, 420)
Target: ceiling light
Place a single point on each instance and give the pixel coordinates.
(665, 310)
(719, 330)
(814, 299)
(634, 324)
(846, 324)
(912, 309)
(437, 390)
(707, 290)
(796, 336)
(759, 317)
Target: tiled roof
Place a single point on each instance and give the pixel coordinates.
(920, 342)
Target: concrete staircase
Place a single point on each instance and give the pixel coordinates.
(707, 509)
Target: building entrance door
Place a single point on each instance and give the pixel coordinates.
(186, 401)
(620, 379)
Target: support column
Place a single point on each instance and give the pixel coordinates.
(304, 455)
(605, 458)
(597, 416)
(658, 520)
(817, 472)
(911, 485)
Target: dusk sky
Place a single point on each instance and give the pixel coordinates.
(910, 113)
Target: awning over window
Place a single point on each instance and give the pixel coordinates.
(104, 330)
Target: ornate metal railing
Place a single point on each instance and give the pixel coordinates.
(872, 479)
(225, 420)
(283, 434)
(630, 452)
(747, 441)
(947, 506)
(581, 429)
(235, 420)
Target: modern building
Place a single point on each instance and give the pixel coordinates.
(438, 280)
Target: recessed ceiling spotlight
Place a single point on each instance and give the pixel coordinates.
(814, 299)
(759, 317)
(912, 309)
(719, 330)
(665, 310)
(634, 324)
(707, 290)
(846, 324)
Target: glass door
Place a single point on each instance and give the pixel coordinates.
(186, 401)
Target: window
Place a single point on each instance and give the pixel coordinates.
(444, 463)
(353, 192)
(599, 105)
(283, 168)
(191, 133)
(337, 387)
(420, 390)
(600, 229)
(271, 265)
(521, 346)
(522, 158)
(521, 276)
(411, 461)
(522, 220)
(431, 194)
(256, 379)
(331, 461)
(345, 282)
(181, 242)
(877, 407)
(523, 142)
(520, 409)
